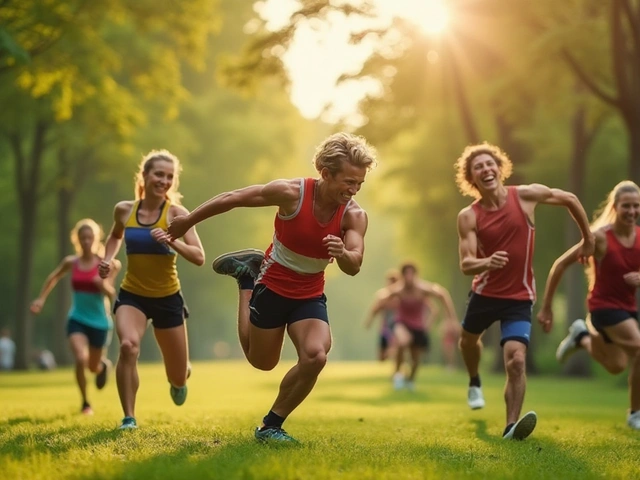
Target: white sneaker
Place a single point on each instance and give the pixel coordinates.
(398, 381)
(633, 420)
(522, 428)
(568, 345)
(475, 399)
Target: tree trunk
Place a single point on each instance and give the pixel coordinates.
(27, 171)
(578, 365)
(633, 132)
(65, 198)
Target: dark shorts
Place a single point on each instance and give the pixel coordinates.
(164, 312)
(419, 338)
(514, 317)
(98, 337)
(269, 310)
(608, 317)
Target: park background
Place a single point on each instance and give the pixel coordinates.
(242, 91)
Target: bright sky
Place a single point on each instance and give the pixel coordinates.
(321, 53)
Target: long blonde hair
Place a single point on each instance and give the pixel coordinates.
(97, 248)
(605, 215)
(173, 195)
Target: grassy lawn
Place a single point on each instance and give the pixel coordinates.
(353, 426)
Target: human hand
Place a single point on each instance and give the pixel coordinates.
(498, 260)
(104, 268)
(545, 317)
(36, 306)
(586, 250)
(335, 245)
(178, 227)
(632, 278)
(160, 236)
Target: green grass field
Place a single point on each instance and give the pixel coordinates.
(353, 426)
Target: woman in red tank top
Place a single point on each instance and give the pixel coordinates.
(611, 334)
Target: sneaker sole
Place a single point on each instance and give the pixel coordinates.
(239, 254)
(525, 426)
(476, 406)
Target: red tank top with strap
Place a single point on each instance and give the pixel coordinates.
(506, 229)
(296, 259)
(610, 290)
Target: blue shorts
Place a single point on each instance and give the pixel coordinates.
(164, 312)
(98, 337)
(514, 317)
(608, 317)
(269, 310)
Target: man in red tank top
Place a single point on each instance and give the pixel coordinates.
(413, 320)
(496, 242)
(611, 334)
(317, 222)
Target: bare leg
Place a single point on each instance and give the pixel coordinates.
(312, 339)
(514, 361)
(609, 355)
(627, 335)
(130, 325)
(416, 356)
(471, 350)
(80, 348)
(261, 346)
(175, 353)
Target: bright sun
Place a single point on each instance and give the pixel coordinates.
(430, 15)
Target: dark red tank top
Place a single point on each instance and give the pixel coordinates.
(507, 229)
(610, 290)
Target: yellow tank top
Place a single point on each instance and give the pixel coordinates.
(151, 266)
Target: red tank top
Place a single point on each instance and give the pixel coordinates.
(610, 289)
(411, 313)
(296, 259)
(82, 280)
(507, 229)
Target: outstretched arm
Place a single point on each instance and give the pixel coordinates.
(52, 280)
(280, 193)
(379, 304)
(571, 256)
(538, 193)
(189, 247)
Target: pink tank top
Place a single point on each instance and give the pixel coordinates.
(411, 313)
(507, 229)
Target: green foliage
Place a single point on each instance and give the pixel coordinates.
(352, 426)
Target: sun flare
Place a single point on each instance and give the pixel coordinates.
(432, 16)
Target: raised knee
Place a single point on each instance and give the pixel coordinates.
(129, 349)
(314, 360)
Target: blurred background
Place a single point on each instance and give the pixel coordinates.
(242, 91)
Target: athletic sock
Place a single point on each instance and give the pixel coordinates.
(246, 282)
(508, 428)
(272, 420)
(474, 381)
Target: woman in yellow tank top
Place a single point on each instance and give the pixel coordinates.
(150, 288)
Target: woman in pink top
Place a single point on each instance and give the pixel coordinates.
(612, 336)
(413, 320)
(318, 222)
(496, 240)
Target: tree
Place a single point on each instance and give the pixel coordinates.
(114, 59)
